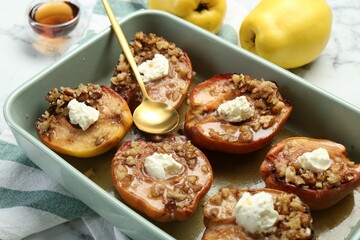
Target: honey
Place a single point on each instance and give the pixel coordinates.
(54, 18)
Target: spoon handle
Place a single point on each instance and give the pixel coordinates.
(125, 46)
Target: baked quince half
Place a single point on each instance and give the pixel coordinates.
(85, 121)
(166, 70)
(235, 113)
(165, 179)
(317, 170)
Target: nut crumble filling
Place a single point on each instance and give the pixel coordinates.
(170, 89)
(59, 98)
(173, 195)
(263, 96)
(295, 221)
(339, 172)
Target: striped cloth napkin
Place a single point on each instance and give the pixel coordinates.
(30, 200)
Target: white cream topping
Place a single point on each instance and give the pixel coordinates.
(160, 165)
(155, 68)
(315, 161)
(256, 212)
(81, 114)
(236, 110)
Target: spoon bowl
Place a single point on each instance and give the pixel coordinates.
(159, 117)
(150, 116)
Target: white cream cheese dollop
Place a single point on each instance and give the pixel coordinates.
(82, 114)
(315, 161)
(160, 166)
(155, 68)
(236, 110)
(256, 212)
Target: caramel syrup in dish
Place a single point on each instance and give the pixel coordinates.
(53, 19)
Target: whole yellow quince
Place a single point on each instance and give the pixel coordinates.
(289, 33)
(208, 14)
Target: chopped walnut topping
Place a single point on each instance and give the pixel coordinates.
(144, 47)
(294, 221)
(179, 193)
(270, 111)
(58, 99)
(157, 190)
(337, 174)
(282, 161)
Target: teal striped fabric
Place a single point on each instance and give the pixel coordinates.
(44, 200)
(13, 153)
(26, 191)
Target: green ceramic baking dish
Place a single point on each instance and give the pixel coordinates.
(316, 113)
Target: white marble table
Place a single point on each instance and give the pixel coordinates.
(337, 70)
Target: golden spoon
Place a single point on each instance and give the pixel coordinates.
(149, 116)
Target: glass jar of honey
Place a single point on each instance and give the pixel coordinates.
(54, 18)
(52, 24)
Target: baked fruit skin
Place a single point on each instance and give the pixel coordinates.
(207, 130)
(55, 130)
(317, 199)
(171, 89)
(172, 199)
(219, 217)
